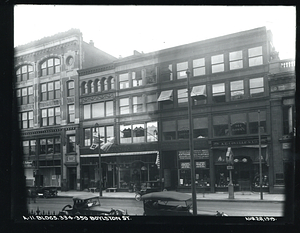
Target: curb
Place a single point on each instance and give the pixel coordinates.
(198, 199)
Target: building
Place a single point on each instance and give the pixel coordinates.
(144, 102)
(242, 101)
(46, 88)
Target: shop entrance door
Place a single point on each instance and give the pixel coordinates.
(243, 173)
(72, 178)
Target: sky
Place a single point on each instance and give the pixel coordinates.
(119, 30)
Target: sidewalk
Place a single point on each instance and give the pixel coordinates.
(219, 196)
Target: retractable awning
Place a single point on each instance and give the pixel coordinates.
(166, 95)
(121, 154)
(198, 91)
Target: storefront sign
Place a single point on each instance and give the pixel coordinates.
(286, 146)
(198, 154)
(70, 158)
(238, 128)
(229, 167)
(28, 163)
(238, 142)
(187, 165)
(201, 164)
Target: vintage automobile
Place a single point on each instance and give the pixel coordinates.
(169, 203)
(46, 192)
(89, 204)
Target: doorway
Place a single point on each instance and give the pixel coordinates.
(72, 178)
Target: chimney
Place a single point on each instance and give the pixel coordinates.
(92, 43)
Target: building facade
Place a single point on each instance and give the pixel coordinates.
(46, 85)
(242, 99)
(148, 115)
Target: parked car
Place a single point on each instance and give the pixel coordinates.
(89, 204)
(169, 203)
(46, 192)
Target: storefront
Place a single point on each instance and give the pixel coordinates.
(123, 171)
(245, 172)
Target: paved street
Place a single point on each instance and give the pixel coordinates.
(207, 207)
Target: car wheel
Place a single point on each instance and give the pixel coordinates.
(138, 197)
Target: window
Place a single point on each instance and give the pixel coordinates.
(26, 119)
(199, 67)
(181, 70)
(288, 119)
(218, 92)
(105, 84)
(198, 95)
(124, 81)
(70, 88)
(29, 147)
(169, 130)
(71, 113)
(137, 104)
(98, 110)
(150, 75)
(136, 78)
(255, 56)
(256, 87)
(220, 125)
(253, 122)
(25, 95)
(152, 132)
(50, 90)
(24, 73)
(217, 63)
(124, 106)
(182, 96)
(106, 132)
(139, 133)
(236, 60)
(50, 66)
(151, 102)
(237, 90)
(238, 124)
(183, 129)
(166, 73)
(50, 146)
(71, 145)
(51, 116)
(200, 127)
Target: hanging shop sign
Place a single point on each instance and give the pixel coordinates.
(198, 154)
(201, 164)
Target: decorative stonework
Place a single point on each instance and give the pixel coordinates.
(26, 107)
(50, 103)
(97, 98)
(96, 70)
(70, 100)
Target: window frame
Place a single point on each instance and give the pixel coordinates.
(217, 63)
(27, 75)
(49, 66)
(200, 66)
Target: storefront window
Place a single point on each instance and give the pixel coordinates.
(152, 131)
(169, 130)
(238, 124)
(138, 133)
(125, 133)
(183, 129)
(200, 127)
(253, 122)
(220, 124)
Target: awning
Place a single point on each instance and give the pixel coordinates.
(198, 91)
(166, 95)
(121, 154)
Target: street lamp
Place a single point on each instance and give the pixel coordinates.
(191, 144)
(99, 148)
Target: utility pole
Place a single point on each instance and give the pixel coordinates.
(191, 144)
(100, 171)
(259, 155)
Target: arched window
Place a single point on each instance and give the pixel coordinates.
(90, 86)
(50, 66)
(70, 88)
(83, 88)
(24, 72)
(86, 88)
(111, 83)
(99, 85)
(105, 85)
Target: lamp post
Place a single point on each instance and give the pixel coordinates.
(100, 171)
(259, 155)
(191, 144)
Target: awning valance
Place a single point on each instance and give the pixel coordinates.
(198, 91)
(166, 95)
(121, 154)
